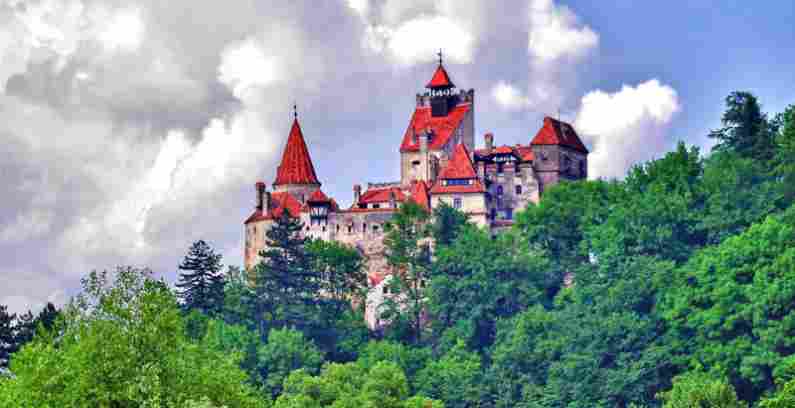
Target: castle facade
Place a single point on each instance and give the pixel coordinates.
(438, 163)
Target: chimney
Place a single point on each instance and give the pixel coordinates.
(489, 137)
(261, 189)
(357, 194)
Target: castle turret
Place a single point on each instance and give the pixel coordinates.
(296, 173)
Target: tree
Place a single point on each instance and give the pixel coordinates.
(239, 298)
(455, 378)
(27, 325)
(447, 224)
(286, 287)
(286, 351)
(408, 253)
(201, 283)
(700, 390)
(342, 275)
(746, 129)
(785, 155)
(730, 308)
(351, 386)
(477, 280)
(7, 335)
(123, 344)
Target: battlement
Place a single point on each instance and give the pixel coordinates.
(464, 96)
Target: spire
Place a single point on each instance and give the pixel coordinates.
(440, 79)
(296, 166)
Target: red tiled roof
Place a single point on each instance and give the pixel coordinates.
(525, 153)
(296, 166)
(460, 166)
(419, 194)
(279, 201)
(381, 195)
(318, 197)
(555, 132)
(441, 126)
(357, 209)
(475, 187)
(440, 79)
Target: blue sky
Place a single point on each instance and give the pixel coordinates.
(132, 128)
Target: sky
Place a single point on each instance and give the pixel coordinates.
(130, 129)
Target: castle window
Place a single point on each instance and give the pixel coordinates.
(509, 213)
(582, 168)
(364, 228)
(338, 228)
(457, 182)
(500, 168)
(457, 203)
(375, 228)
(499, 191)
(376, 205)
(324, 228)
(350, 229)
(493, 214)
(518, 189)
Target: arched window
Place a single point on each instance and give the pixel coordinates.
(499, 190)
(518, 189)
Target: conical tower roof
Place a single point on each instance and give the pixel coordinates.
(440, 79)
(296, 166)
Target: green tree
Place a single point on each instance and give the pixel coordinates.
(201, 282)
(407, 245)
(410, 359)
(698, 390)
(239, 298)
(7, 335)
(455, 378)
(477, 280)
(27, 325)
(730, 310)
(286, 287)
(286, 351)
(785, 155)
(352, 386)
(123, 344)
(447, 224)
(342, 275)
(746, 129)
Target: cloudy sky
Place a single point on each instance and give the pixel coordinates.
(131, 128)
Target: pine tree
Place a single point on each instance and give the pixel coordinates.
(201, 284)
(286, 286)
(7, 336)
(747, 130)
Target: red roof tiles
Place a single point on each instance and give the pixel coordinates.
(419, 194)
(440, 79)
(459, 168)
(381, 195)
(296, 166)
(460, 165)
(442, 127)
(318, 197)
(555, 132)
(279, 202)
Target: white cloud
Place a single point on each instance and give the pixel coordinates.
(557, 42)
(627, 126)
(555, 33)
(124, 31)
(245, 66)
(412, 32)
(508, 96)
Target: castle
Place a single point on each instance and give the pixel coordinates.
(438, 163)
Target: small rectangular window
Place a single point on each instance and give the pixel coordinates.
(457, 203)
(518, 189)
(376, 205)
(509, 213)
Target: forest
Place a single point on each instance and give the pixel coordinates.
(673, 287)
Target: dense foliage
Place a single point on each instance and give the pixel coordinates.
(673, 287)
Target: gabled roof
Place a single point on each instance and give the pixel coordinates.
(440, 79)
(522, 152)
(460, 166)
(381, 195)
(555, 132)
(318, 197)
(279, 202)
(419, 194)
(442, 127)
(296, 166)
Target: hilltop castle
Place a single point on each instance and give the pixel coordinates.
(438, 163)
